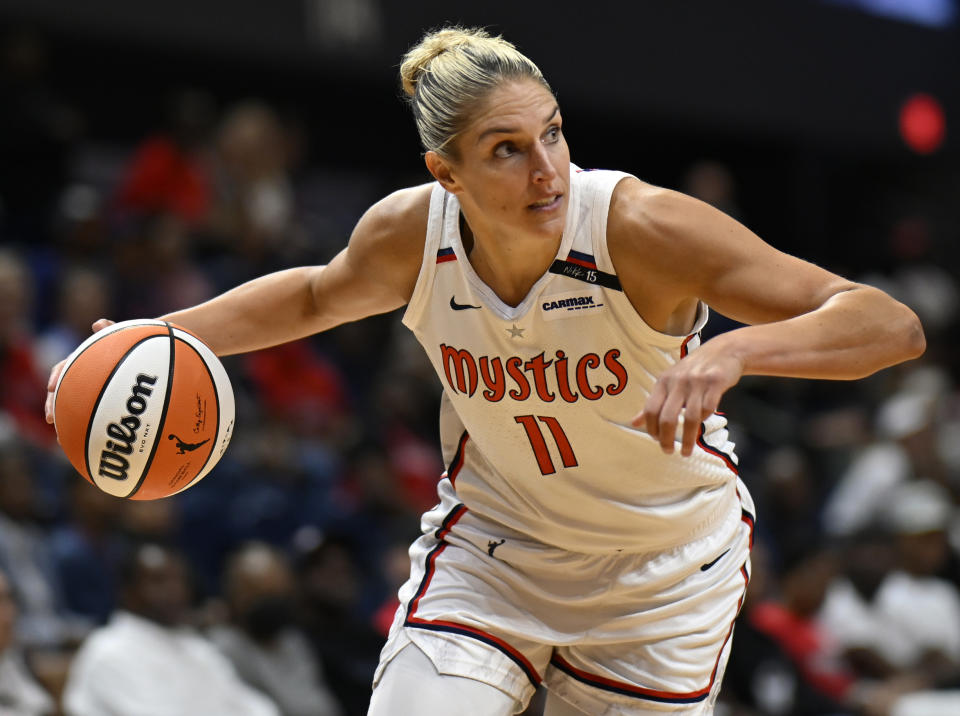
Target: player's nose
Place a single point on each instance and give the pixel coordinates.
(541, 168)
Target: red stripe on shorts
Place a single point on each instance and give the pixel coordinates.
(622, 687)
(452, 627)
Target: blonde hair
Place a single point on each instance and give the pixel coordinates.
(449, 71)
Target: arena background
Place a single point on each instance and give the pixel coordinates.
(827, 126)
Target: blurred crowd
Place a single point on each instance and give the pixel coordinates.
(268, 587)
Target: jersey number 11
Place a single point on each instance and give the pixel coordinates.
(539, 443)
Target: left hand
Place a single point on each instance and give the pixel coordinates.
(692, 387)
(55, 372)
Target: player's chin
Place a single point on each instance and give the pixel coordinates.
(548, 221)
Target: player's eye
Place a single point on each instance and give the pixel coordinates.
(553, 135)
(504, 150)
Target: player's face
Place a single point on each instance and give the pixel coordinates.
(513, 168)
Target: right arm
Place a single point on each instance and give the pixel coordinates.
(375, 273)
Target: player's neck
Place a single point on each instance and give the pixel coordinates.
(507, 261)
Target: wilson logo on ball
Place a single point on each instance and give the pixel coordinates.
(113, 464)
(124, 390)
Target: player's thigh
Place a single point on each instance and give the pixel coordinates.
(410, 684)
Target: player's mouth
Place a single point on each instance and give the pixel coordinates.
(547, 204)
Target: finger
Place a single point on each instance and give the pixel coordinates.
(651, 410)
(55, 375)
(711, 402)
(669, 417)
(692, 413)
(101, 323)
(48, 408)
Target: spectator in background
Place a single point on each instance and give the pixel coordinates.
(20, 377)
(87, 551)
(917, 276)
(169, 172)
(923, 609)
(156, 521)
(253, 211)
(263, 640)
(148, 661)
(26, 558)
(849, 611)
(301, 387)
(20, 694)
(789, 620)
(788, 496)
(905, 448)
(331, 581)
(762, 675)
(83, 297)
(154, 266)
(898, 623)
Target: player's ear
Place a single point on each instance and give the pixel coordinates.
(442, 170)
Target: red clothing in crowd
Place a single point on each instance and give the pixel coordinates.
(815, 654)
(162, 177)
(22, 392)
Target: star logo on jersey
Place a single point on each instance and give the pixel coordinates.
(460, 306)
(515, 331)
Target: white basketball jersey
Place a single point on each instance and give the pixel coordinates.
(538, 398)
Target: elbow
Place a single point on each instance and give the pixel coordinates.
(916, 341)
(902, 340)
(906, 336)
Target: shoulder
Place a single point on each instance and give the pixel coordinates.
(642, 211)
(399, 217)
(652, 236)
(396, 226)
(675, 237)
(388, 241)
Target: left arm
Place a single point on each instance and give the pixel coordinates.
(804, 322)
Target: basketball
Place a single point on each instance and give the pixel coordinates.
(143, 409)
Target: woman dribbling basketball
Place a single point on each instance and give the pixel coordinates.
(592, 532)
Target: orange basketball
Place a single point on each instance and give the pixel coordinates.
(143, 409)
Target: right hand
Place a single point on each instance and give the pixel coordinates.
(58, 369)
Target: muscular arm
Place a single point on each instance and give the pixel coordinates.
(804, 321)
(375, 273)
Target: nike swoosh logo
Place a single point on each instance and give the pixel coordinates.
(708, 565)
(460, 306)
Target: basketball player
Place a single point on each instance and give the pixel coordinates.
(591, 534)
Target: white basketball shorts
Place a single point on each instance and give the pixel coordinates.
(611, 634)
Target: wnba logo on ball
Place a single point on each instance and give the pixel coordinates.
(113, 464)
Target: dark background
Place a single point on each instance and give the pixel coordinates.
(801, 99)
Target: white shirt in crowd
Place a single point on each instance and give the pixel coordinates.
(135, 667)
(906, 618)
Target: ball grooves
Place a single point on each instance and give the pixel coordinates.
(216, 432)
(163, 415)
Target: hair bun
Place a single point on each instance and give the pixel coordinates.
(434, 44)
